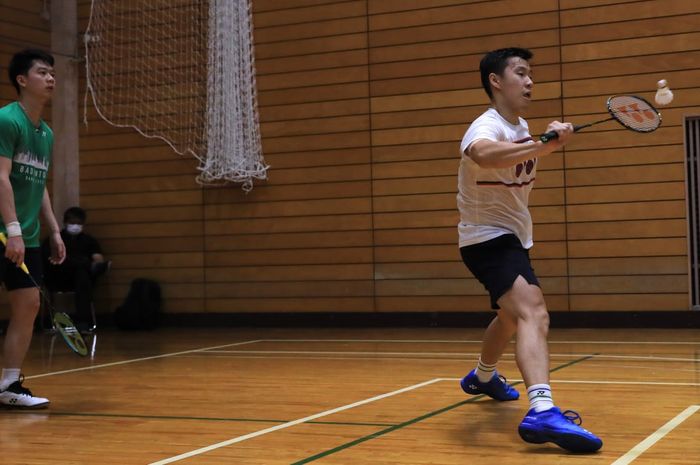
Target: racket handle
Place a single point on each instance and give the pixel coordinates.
(3, 239)
(547, 136)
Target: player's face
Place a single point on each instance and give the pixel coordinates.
(516, 83)
(39, 81)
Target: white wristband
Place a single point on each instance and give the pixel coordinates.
(14, 229)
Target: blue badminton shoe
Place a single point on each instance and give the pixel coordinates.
(560, 428)
(496, 388)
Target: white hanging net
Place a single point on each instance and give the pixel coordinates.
(182, 71)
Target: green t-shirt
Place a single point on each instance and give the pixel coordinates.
(29, 147)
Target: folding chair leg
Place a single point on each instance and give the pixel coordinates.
(94, 317)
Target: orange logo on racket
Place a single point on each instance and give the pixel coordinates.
(635, 111)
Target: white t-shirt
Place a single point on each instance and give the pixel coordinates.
(493, 201)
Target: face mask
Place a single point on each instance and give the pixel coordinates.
(74, 229)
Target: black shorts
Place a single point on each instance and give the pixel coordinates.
(497, 263)
(13, 277)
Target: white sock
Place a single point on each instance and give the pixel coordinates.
(9, 376)
(540, 396)
(485, 372)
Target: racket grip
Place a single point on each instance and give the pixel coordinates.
(547, 136)
(3, 239)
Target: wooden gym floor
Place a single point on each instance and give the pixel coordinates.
(356, 396)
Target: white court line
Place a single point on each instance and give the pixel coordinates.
(642, 367)
(640, 383)
(341, 352)
(282, 357)
(291, 423)
(640, 448)
(586, 381)
(134, 360)
(216, 354)
(443, 354)
(447, 341)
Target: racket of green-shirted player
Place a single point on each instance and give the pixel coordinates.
(61, 321)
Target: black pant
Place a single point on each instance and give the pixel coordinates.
(497, 263)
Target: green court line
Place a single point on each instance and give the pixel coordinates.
(344, 423)
(412, 421)
(167, 417)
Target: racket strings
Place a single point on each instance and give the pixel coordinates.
(70, 333)
(635, 113)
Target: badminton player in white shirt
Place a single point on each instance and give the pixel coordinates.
(496, 174)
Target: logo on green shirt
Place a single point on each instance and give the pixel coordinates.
(32, 168)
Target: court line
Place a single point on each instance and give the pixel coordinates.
(588, 381)
(656, 436)
(141, 359)
(420, 418)
(442, 354)
(267, 357)
(637, 367)
(478, 341)
(215, 419)
(291, 423)
(456, 360)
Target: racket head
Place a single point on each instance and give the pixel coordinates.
(634, 113)
(70, 333)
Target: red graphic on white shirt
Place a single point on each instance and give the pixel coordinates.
(527, 167)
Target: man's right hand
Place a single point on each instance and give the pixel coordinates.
(14, 251)
(564, 132)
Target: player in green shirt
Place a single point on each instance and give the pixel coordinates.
(26, 142)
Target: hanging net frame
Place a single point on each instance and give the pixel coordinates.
(182, 71)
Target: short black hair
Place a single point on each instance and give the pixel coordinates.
(496, 62)
(75, 212)
(23, 61)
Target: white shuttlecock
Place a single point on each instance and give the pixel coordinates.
(664, 96)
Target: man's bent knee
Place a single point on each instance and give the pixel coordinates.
(524, 301)
(536, 315)
(24, 302)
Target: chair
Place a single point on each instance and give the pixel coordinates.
(63, 300)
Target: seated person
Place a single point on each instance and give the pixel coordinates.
(84, 263)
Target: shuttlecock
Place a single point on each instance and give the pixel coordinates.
(664, 96)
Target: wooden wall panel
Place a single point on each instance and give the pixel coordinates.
(426, 89)
(362, 106)
(626, 192)
(146, 209)
(301, 241)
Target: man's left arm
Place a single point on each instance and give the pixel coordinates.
(95, 250)
(58, 248)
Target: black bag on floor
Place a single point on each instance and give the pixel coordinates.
(141, 308)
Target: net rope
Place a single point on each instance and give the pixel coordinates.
(182, 71)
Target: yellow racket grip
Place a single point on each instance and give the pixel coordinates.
(3, 239)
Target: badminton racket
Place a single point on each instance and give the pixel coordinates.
(631, 111)
(61, 321)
